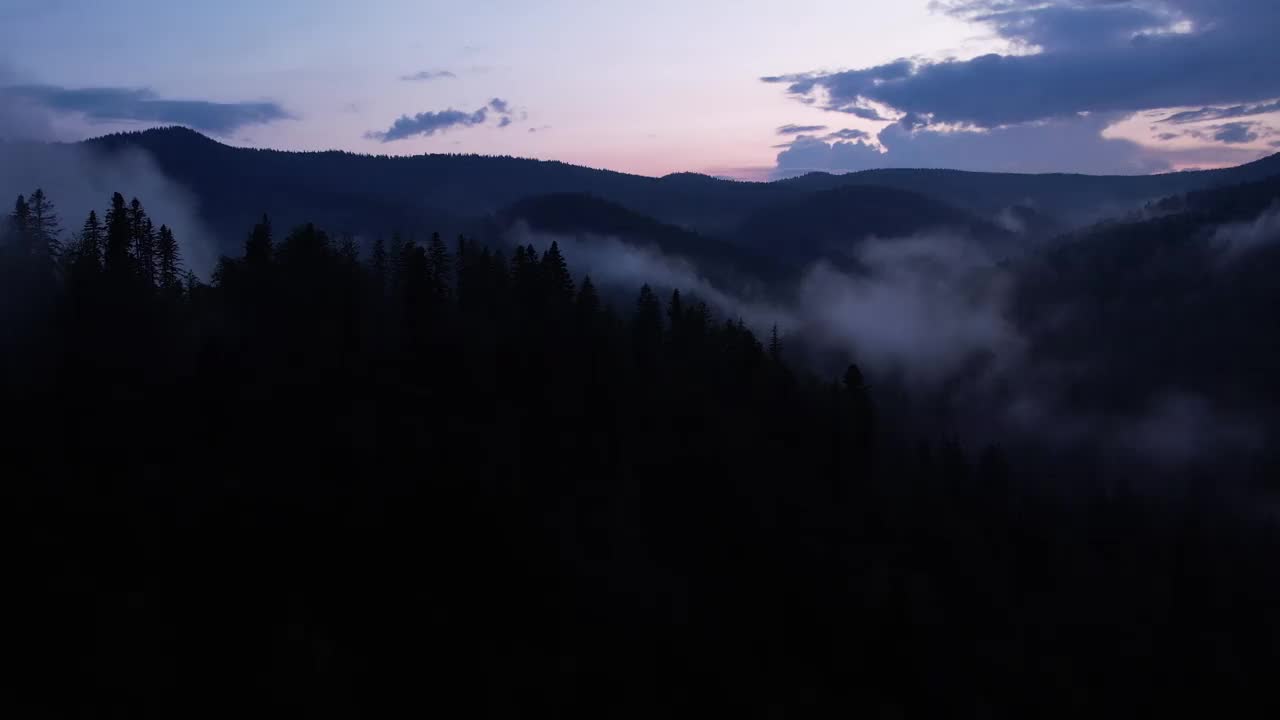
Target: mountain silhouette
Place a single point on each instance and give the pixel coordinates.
(347, 192)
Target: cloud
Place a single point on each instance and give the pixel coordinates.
(1235, 133)
(427, 123)
(426, 75)
(1222, 113)
(1116, 56)
(800, 129)
(849, 134)
(111, 104)
(926, 306)
(1066, 145)
(1069, 64)
(430, 123)
(79, 178)
(1234, 240)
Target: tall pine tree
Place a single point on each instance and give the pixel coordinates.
(45, 227)
(143, 242)
(168, 261)
(119, 237)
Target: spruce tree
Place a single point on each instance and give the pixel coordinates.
(143, 241)
(20, 226)
(555, 273)
(588, 303)
(441, 268)
(378, 264)
(646, 331)
(258, 247)
(167, 260)
(88, 249)
(45, 227)
(119, 236)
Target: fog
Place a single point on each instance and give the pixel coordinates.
(1234, 240)
(78, 179)
(933, 314)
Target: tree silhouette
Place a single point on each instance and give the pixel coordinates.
(117, 259)
(44, 226)
(87, 254)
(168, 260)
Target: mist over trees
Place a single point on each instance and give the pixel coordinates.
(351, 476)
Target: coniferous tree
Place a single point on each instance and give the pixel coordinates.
(588, 304)
(168, 260)
(259, 248)
(20, 226)
(348, 250)
(646, 331)
(119, 238)
(87, 256)
(554, 271)
(45, 228)
(143, 242)
(378, 266)
(441, 269)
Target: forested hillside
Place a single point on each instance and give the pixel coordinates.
(349, 479)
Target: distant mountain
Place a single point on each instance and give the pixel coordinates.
(1181, 301)
(586, 216)
(365, 193)
(1085, 197)
(345, 192)
(827, 223)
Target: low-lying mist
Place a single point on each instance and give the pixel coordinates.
(930, 319)
(79, 178)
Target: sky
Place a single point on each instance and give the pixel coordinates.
(748, 89)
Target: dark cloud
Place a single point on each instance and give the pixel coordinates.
(800, 129)
(108, 104)
(1235, 133)
(1093, 56)
(428, 75)
(430, 123)
(1222, 113)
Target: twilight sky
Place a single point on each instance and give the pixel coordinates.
(746, 88)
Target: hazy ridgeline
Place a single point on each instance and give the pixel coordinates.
(929, 461)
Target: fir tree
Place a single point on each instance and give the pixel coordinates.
(119, 237)
(646, 330)
(259, 247)
(587, 303)
(88, 248)
(45, 227)
(554, 271)
(441, 269)
(143, 241)
(20, 226)
(168, 260)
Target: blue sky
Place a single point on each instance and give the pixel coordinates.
(1026, 85)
